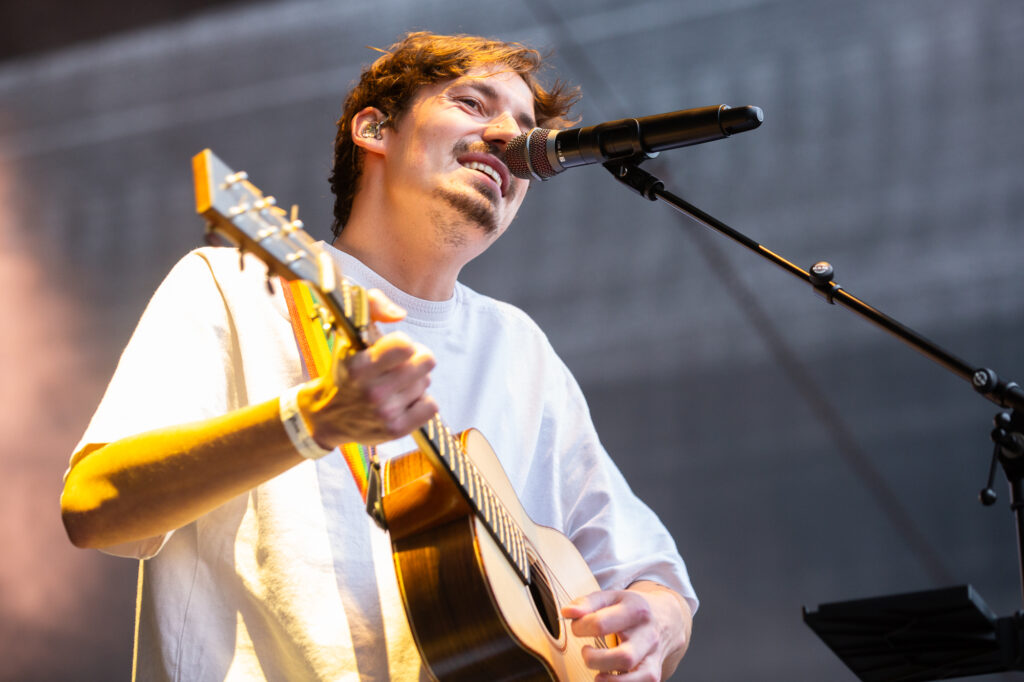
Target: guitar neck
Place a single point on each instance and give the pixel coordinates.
(438, 443)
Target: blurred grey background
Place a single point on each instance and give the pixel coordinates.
(798, 454)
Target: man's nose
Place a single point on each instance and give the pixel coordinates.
(502, 129)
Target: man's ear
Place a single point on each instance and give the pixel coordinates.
(368, 129)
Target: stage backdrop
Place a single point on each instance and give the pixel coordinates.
(798, 454)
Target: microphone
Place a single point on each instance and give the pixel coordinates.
(542, 153)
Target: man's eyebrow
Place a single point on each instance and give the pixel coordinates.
(487, 90)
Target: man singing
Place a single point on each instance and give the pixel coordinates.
(259, 560)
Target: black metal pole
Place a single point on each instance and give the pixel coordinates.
(983, 380)
(1017, 505)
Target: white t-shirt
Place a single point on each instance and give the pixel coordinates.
(293, 580)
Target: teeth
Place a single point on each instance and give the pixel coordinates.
(483, 167)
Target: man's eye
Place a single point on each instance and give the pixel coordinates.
(470, 102)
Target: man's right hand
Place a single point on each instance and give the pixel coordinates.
(375, 395)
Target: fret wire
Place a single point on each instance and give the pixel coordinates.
(489, 507)
(514, 549)
(491, 513)
(459, 456)
(497, 517)
(502, 529)
(516, 543)
(468, 482)
(507, 523)
(474, 481)
(442, 445)
(442, 442)
(446, 435)
(508, 531)
(438, 427)
(438, 430)
(495, 513)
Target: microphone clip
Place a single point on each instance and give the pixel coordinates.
(628, 172)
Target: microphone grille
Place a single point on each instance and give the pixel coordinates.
(526, 155)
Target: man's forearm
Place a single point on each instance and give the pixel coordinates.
(152, 483)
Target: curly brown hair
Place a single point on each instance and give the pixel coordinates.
(421, 59)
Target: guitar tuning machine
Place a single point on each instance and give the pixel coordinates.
(293, 220)
(234, 179)
(265, 202)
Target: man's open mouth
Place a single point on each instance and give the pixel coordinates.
(489, 166)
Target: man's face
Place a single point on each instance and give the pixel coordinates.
(445, 155)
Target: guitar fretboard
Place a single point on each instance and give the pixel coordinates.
(488, 506)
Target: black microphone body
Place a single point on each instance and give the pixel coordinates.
(542, 153)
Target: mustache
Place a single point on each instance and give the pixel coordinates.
(481, 147)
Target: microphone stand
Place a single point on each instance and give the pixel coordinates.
(925, 635)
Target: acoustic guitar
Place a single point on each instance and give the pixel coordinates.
(482, 584)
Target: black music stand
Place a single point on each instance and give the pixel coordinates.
(929, 635)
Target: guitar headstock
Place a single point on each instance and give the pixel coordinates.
(238, 212)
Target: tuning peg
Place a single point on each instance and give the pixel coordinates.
(294, 222)
(235, 178)
(265, 202)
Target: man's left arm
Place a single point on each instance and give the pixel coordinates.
(652, 622)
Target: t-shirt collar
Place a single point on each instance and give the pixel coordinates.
(419, 310)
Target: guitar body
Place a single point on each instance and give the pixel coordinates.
(471, 615)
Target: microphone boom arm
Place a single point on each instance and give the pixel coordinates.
(985, 381)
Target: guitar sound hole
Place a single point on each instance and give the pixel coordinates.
(544, 600)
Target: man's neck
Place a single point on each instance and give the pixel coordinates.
(405, 258)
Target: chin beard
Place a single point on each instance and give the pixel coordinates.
(478, 210)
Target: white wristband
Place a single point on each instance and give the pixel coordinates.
(295, 426)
